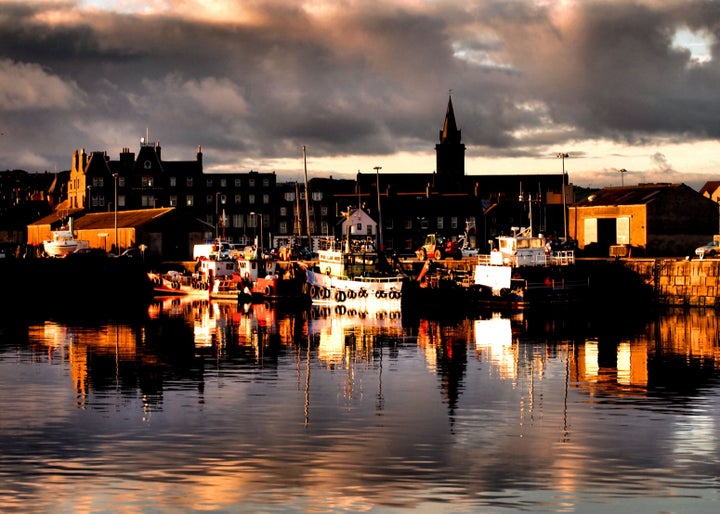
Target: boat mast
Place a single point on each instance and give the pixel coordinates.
(377, 185)
(307, 205)
(297, 226)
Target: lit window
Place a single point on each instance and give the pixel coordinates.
(189, 201)
(173, 181)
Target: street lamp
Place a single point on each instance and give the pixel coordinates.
(377, 185)
(259, 215)
(563, 156)
(622, 176)
(117, 242)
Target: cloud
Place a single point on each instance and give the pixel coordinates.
(255, 81)
(28, 87)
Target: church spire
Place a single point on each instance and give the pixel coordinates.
(450, 152)
(450, 132)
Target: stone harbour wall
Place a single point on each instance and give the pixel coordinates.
(680, 282)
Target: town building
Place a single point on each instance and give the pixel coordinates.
(647, 219)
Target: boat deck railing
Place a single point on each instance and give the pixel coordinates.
(559, 258)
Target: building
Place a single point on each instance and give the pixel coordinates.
(651, 219)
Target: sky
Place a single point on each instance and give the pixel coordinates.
(616, 84)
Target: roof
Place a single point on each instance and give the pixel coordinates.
(710, 187)
(103, 220)
(629, 195)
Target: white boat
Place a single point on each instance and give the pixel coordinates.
(63, 241)
(523, 266)
(344, 276)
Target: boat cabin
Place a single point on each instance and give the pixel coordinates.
(521, 249)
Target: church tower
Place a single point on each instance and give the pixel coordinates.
(450, 152)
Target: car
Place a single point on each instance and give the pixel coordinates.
(708, 250)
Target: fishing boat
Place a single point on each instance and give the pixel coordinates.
(269, 279)
(353, 275)
(63, 241)
(524, 269)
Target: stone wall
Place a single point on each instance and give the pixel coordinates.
(680, 282)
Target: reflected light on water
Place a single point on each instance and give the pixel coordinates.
(210, 406)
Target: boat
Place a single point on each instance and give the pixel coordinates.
(270, 279)
(524, 269)
(353, 275)
(63, 241)
(174, 283)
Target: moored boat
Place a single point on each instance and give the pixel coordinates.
(524, 269)
(63, 241)
(345, 276)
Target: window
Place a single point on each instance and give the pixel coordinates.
(121, 181)
(266, 182)
(147, 181)
(389, 224)
(223, 199)
(173, 201)
(98, 182)
(266, 199)
(369, 228)
(173, 181)
(408, 224)
(289, 196)
(100, 200)
(238, 182)
(283, 211)
(147, 200)
(189, 200)
(209, 199)
(324, 210)
(238, 199)
(440, 223)
(223, 182)
(237, 220)
(359, 227)
(208, 183)
(251, 199)
(324, 227)
(424, 224)
(283, 227)
(251, 182)
(317, 196)
(121, 200)
(189, 182)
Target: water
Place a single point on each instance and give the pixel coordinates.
(201, 408)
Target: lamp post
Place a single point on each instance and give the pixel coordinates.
(259, 215)
(622, 176)
(117, 242)
(88, 198)
(217, 219)
(563, 156)
(377, 185)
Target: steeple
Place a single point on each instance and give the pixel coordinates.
(450, 152)
(450, 132)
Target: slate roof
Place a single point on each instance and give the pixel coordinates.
(629, 195)
(103, 220)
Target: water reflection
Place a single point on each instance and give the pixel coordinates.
(269, 407)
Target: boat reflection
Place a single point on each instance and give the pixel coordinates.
(181, 337)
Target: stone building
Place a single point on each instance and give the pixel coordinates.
(651, 219)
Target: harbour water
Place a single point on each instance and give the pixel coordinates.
(207, 407)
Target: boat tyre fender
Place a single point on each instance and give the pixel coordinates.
(351, 294)
(326, 293)
(176, 285)
(313, 291)
(379, 293)
(393, 295)
(362, 293)
(340, 296)
(327, 271)
(351, 312)
(305, 288)
(340, 309)
(268, 291)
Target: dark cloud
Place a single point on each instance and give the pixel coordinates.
(367, 79)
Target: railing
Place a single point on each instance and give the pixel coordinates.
(560, 258)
